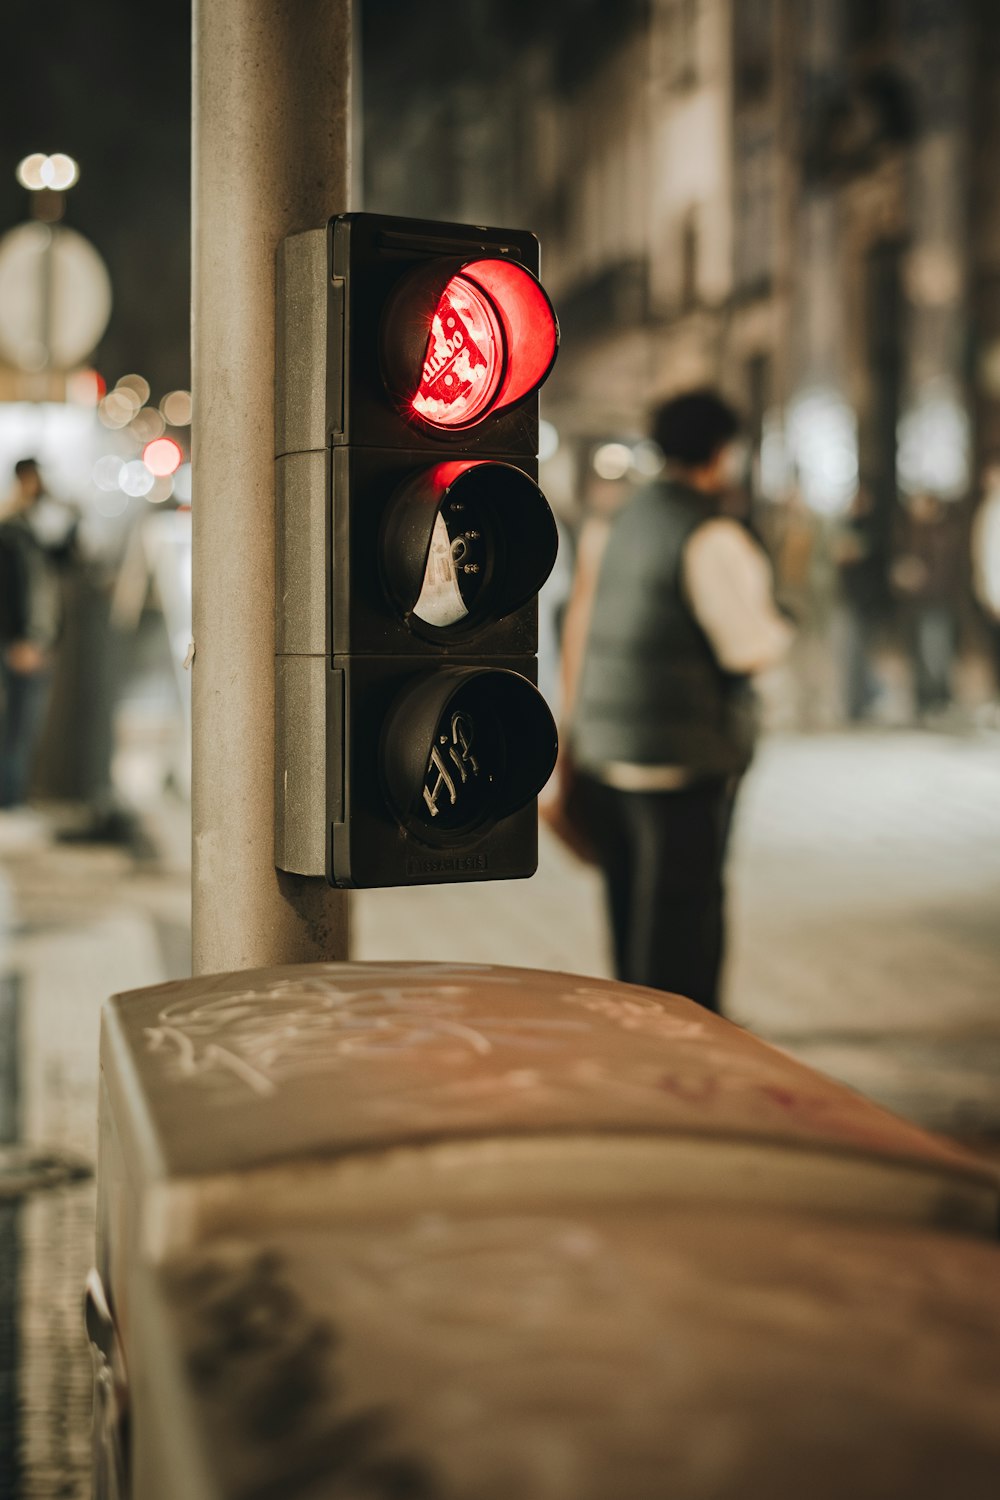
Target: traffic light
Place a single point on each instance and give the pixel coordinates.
(412, 542)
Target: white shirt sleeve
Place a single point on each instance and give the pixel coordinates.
(727, 579)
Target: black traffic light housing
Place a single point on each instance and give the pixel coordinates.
(412, 540)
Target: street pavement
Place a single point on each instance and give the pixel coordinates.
(865, 938)
(865, 917)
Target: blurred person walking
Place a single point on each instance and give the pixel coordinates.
(36, 538)
(672, 613)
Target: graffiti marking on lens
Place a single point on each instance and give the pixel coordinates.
(463, 763)
(440, 602)
(463, 361)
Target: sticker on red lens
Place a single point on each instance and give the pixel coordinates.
(463, 364)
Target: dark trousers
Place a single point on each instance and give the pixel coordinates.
(662, 856)
(22, 715)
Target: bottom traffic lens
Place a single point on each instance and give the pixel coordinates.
(463, 748)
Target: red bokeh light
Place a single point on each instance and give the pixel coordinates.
(162, 457)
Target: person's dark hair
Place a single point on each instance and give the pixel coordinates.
(26, 466)
(691, 429)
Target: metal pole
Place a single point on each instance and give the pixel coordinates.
(271, 156)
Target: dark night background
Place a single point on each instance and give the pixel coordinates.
(111, 86)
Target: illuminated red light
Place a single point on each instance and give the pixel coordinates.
(531, 333)
(459, 349)
(162, 457)
(464, 361)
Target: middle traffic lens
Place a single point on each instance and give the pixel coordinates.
(466, 544)
(461, 550)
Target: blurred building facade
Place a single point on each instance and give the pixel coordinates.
(794, 200)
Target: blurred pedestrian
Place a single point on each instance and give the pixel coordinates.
(671, 615)
(36, 536)
(861, 574)
(927, 576)
(986, 564)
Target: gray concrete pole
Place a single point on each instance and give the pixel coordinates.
(271, 156)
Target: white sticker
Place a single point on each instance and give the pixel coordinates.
(440, 601)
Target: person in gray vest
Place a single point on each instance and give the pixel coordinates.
(672, 614)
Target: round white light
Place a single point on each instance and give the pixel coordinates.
(647, 458)
(822, 434)
(62, 171)
(108, 472)
(38, 171)
(548, 441)
(612, 460)
(29, 171)
(136, 478)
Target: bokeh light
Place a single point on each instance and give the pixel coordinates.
(29, 171)
(147, 424)
(38, 171)
(107, 472)
(934, 444)
(548, 441)
(612, 460)
(176, 408)
(137, 385)
(823, 444)
(163, 488)
(162, 456)
(647, 459)
(118, 408)
(60, 172)
(136, 479)
(85, 388)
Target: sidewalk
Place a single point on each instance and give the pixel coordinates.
(865, 923)
(75, 925)
(867, 917)
(865, 939)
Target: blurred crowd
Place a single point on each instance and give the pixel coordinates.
(72, 642)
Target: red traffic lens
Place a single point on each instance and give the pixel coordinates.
(463, 340)
(531, 332)
(464, 362)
